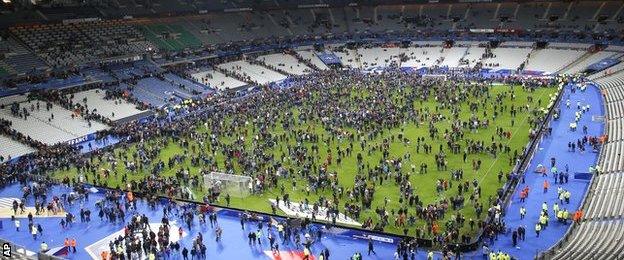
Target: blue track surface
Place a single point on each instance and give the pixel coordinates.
(340, 242)
(343, 243)
(556, 146)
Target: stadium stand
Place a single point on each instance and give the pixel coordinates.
(12, 149)
(310, 56)
(97, 101)
(582, 64)
(506, 58)
(54, 124)
(217, 80)
(348, 58)
(74, 44)
(285, 62)
(97, 74)
(595, 239)
(171, 37)
(145, 96)
(419, 57)
(613, 89)
(473, 56)
(378, 56)
(187, 85)
(162, 89)
(607, 72)
(252, 72)
(451, 56)
(552, 60)
(17, 59)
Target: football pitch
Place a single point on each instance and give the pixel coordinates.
(299, 137)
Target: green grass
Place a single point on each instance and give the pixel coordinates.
(184, 40)
(424, 184)
(3, 72)
(186, 37)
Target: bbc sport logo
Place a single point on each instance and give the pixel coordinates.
(6, 250)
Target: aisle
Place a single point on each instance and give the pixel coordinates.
(555, 145)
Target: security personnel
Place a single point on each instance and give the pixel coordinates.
(73, 244)
(544, 221)
(567, 195)
(538, 228)
(566, 214)
(556, 208)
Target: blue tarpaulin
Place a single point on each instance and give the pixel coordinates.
(602, 64)
(328, 58)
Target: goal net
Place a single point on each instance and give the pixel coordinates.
(223, 183)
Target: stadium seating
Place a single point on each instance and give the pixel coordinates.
(217, 80)
(125, 72)
(113, 109)
(255, 73)
(98, 74)
(605, 201)
(50, 131)
(286, 62)
(473, 55)
(419, 57)
(17, 59)
(80, 43)
(348, 58)
(162, 89)
(613, 89)
(593, 58)
(552, 60)
(569, 45)
(594, 240)
(145, 96)
(378, 57)
(506, 58)
(188, 85)
(171, 37)
(200, 29)
(451, 57)
(311, 57)
(12, 148)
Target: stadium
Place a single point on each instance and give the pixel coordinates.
(290, 130)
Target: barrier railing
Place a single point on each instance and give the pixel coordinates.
(584, 204)
(508, 190)
(12, 250)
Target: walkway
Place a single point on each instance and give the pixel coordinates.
(555, 146)
(94, 236)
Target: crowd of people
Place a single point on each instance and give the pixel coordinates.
(237, 135)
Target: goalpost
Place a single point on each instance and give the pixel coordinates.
(232, 184)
